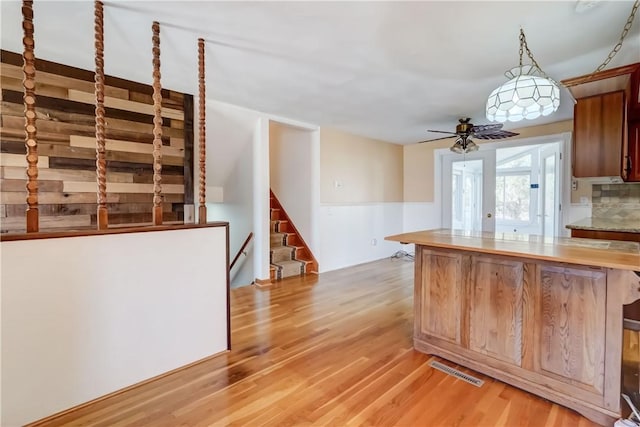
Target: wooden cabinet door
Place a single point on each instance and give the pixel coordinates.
(598, 135)
(570, 325)
(495, 308)
(439, 307)
(633, 159)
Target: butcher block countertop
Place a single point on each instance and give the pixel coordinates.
(606, 224)
(598, 253)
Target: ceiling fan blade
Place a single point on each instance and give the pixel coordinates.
(441, 131)
(501, 134)
(486, 128)
(437, 139)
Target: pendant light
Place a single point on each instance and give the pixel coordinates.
(528, 94)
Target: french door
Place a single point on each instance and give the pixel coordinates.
(513, 189)
(468, 197)
(550, 189)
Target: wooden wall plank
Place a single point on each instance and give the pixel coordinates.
(41, 88)
(63, 82)
(188, 150)
(21, 185)
(120, 187)
(121, 104)
(65, 175)
(167, 179)
(87, 208)
(19, 160)
(10, 109)
(64, 105)
(44, 66)
(17, 198)
(177, 142)
(126, 146)
(64, 221)
(66, 147)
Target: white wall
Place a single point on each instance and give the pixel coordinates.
(237, 209)
(231, 136)
(291, 155)
(354, 234)
(86, 316)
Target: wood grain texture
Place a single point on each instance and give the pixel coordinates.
(157, 127)
(202, 139)
(598, 135)
(606, 235)
(441, 295)
(100, 140)
(550, 328)
(67, 142)
(632, 162)
(188, 145)
(29, 100)
(327, 350)
(496, 308)
(572, 325)
(537, 248)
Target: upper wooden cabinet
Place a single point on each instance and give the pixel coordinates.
(606, 113)
(633, 158)
(598, 138)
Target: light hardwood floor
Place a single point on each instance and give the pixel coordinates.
(334, 350)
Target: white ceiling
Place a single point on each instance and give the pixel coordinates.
(387, 70)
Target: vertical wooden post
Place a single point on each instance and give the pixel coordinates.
(157, 128)
(31, 143)
(101, 162)
(202, 209)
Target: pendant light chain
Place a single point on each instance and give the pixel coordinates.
(625, 31)
(523, 43)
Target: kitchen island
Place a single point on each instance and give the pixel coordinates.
(542, 314)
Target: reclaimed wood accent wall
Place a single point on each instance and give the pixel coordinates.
(65, 111)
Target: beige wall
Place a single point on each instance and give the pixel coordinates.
(419, 162)
(366, 170)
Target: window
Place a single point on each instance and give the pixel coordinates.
(512, 196)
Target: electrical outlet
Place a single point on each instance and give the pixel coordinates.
(374, 242)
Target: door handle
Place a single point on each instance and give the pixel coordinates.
(488, 215)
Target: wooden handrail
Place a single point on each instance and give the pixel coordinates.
(242, 248)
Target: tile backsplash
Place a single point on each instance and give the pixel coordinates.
(616, 201)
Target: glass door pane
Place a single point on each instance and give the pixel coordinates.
(550, 191)
(468, 199)
(466, 195)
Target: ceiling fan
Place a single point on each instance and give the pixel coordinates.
(466, 130)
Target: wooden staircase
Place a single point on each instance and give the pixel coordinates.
(289, 255)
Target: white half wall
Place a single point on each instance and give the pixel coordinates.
(354, 234)
(86, 316)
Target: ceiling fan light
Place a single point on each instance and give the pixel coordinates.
(471, 146)
(457, 148)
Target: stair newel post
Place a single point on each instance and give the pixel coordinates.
(202, 209)
(29, 97)
(157, 128)
(101, 162)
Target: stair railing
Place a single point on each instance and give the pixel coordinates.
(241, 251)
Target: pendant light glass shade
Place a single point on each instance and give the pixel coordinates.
(524, 96)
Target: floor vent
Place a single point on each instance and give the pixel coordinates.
(455, 373)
